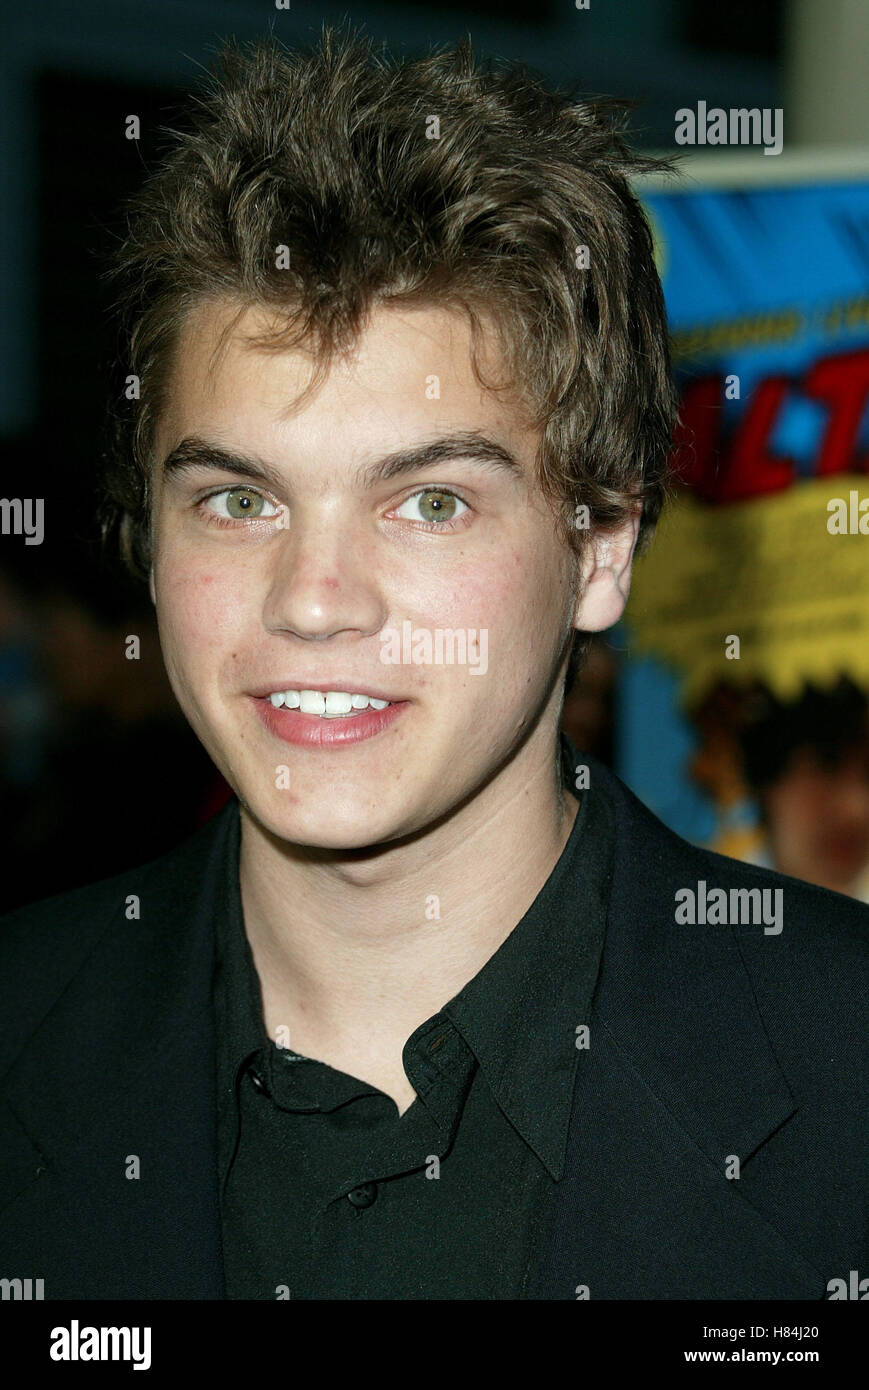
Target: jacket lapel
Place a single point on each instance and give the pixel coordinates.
(679, 1078)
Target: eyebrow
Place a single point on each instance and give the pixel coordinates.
(194, 453)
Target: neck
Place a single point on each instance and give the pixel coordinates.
(355, 950)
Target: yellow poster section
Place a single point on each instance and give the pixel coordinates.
(767, 571)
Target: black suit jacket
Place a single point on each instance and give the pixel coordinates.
(706, 1043)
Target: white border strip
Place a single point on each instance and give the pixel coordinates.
(819, 164)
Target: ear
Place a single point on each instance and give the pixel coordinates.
(152, 591)
(606, 576)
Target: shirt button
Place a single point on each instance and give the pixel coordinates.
(256, 1080)
(363, 1196)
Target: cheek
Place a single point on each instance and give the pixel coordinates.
(509, 605)
(502, 591)
(522, 603)
(199, 610)
(794, 809)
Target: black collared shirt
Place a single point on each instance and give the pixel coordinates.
(326, 1192)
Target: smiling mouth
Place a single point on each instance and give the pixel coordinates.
(327, 719)
(327, 704)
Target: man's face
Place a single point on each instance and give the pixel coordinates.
(818, 817)
(293, 584)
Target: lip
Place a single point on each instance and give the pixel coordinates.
(262, 692)
(313, 731)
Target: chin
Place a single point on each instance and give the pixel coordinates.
(317, 827)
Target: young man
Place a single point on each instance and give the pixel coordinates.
(410, 1018)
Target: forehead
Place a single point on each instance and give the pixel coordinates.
(410, 370)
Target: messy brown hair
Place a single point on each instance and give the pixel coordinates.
(330, 154)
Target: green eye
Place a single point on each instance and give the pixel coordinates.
(437, 506)
(432, 505)
(240, 504)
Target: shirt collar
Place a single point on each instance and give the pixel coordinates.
(519, 1014)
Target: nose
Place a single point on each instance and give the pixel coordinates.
(323, 580)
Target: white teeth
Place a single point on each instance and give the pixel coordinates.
(312, 702)
(334, 704)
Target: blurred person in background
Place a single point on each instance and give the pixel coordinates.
(807, 762)
(789, 779)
